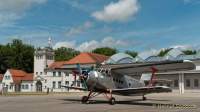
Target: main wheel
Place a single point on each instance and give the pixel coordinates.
(112, 101)
(84, 99)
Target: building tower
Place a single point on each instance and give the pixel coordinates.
(43, 57)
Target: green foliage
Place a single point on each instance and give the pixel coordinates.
(105, 51)
(189, 52)
(164, 52)
(64, 54)
(16, 55)
(131, 53)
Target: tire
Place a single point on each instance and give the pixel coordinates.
(84, 99)
(112, 101)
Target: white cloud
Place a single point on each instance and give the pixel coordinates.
(93, 44)
(79, 29)
(12, 10)
(119, 11)
(88, 46)
(68, 44)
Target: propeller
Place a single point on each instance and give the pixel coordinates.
(83, 75)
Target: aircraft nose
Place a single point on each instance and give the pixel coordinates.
(92, 76)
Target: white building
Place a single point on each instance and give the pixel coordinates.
(50, 75)
(43, 58)
(17, 81)
(1, 78)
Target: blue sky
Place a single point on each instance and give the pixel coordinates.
(140, 25)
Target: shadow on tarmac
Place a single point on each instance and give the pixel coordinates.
(127, 102)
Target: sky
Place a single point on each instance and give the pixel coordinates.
(139, 25)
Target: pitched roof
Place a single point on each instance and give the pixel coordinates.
(28, 77)
(87, 58)
(19, 75)
(82, 58)
(57, 64)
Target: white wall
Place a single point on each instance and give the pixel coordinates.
(27, 86)
(8, 81)
(50, 79)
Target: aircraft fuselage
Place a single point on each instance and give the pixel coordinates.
(98, 81)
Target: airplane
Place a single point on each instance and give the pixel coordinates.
(109, 79)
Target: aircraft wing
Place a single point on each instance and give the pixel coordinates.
(135, 68)
(76, 88)
(142, 90)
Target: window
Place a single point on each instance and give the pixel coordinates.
(11, 86)
(40, 73)
(36, 73)
(187, 82)
(26, 86)
(66, 74)
(66, 83)
(168, 85)
(176, 83)
(22, 86)
(59, 84)
(8, 77)
(59, 74)
(196, 83)
(78, 83)
(73, 83)
(54, 74)
(129, 84)
(54, 84)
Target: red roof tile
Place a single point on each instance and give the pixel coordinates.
(57, 64)
(83, 58)
(19, 75)
(87, 58)
(28, 77)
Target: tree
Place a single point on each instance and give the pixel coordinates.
(105, 51)
(64, 54)
(189, 52)
(16, 55)
(131, 53)
(164, 52)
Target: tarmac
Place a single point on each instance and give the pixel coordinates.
(164, 102)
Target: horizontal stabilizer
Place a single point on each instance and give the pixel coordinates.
(142, 90)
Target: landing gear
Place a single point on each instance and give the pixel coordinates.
(108, 95)
(112, 101)
(84, 99)
(144, 98)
